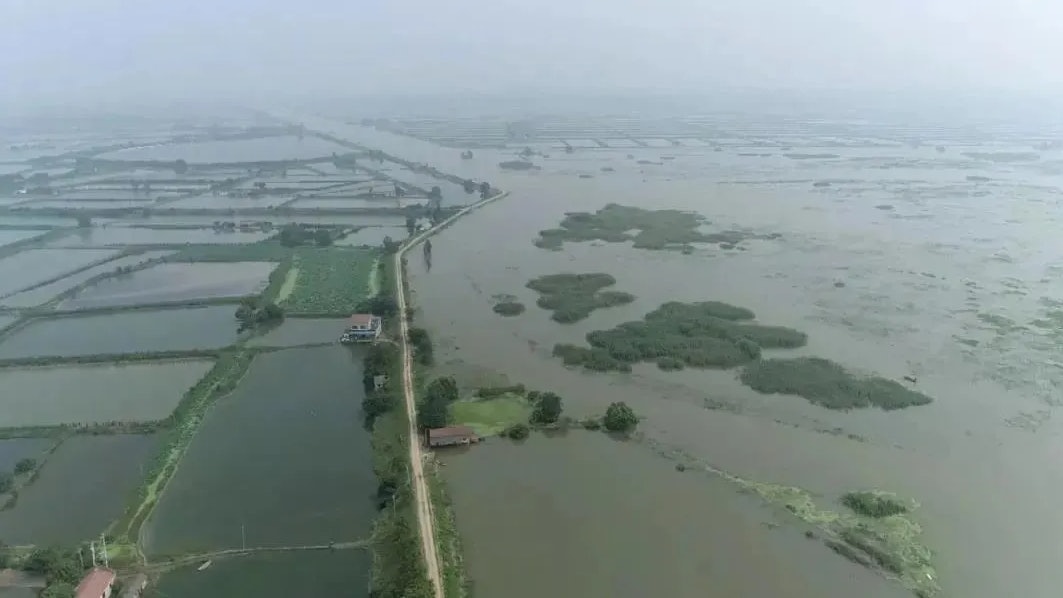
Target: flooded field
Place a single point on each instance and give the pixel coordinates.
(44, 293)
(53, 395)
(282, 461)
(896, 261)
(373, 236)
(15, 449)
(213, 202)
(130, 332)
(316, 573)
(113, 236)
(349, 203)
(244, 150)
(7, 237)
(74, 204)
(302, 331)
(175, 282)
(87, 479)
(35, 266)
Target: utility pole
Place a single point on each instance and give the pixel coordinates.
(243, 536)
(106, 560)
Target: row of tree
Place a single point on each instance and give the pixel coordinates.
(7, 480)
(293, 235)
(254, 311)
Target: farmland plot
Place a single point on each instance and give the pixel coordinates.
(331, 281)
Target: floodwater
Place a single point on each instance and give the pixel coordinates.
(241, 150)
(284, 460)
(139, 331)
(34, 266)
(8, 237)
(79, 491)
(53, 395)
(44, 293)
(175, 282)
(373, 236)
(15, 449)
(272, 575)
(901, 265)
(101, 237)
(301, 331)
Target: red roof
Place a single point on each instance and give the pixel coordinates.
(363, 320)
(452, 432)
(95, 583)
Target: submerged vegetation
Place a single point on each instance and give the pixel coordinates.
(619, 417)
(828, 384)
(647, 229)
(508, 308)
(675, 335)
(572, 297)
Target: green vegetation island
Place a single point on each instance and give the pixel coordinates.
(572, 297)
(646, 229)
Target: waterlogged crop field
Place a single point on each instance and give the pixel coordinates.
(36, 266)
(175, 282)
(116, 236)
(99, 393)
(331, 281)
(131, 332)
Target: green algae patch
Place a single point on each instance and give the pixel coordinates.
(489, 417)
(572, 297)
(873, 528)
(828, 384)
(707, 334)
(647, 229)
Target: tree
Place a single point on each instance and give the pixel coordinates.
(411, 225)
(25, 466)
(517, 431)
(444, 389)
(180, 166)
(55, 564)
(62, 589)
(469, 186)
(547, 409)
(485, 188)
(620, 418)
(322, 238)
(435, 193)
(432, 414)
(383, 306)
(292, 235)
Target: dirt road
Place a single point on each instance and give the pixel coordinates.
(422, 498)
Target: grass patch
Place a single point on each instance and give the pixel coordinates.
(508, 308)
(331, 280)
(288, 285)
(828, 384)
(456, 583)
(489, 417)
(263, 251)
(676, 335)
(647, 229)
(875, 504)
(572, 297)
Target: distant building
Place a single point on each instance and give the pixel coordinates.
(451, 436)
(362, 327)
(96, 584)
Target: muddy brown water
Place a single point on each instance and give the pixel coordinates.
(952, 260)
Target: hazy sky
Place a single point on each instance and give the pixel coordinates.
(71, 50)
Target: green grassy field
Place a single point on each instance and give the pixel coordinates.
(489, 417)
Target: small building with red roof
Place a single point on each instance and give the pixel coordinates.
(96, 584)
(362, 327)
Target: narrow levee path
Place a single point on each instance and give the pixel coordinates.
(422, 498)
(184, 560)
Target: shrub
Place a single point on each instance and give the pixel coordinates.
(828, 384)
(517, 431)
(620, 418)
(508, 308)
(572, 297)
(25, 466)
(591, 423)
(547, 409)
(874, 504)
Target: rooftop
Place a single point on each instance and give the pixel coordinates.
(361, 320)
(451, 432)
(95, 583)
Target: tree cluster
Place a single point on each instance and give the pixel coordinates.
(253, 311)
(433, 412)
(546, 407)
(383, 305)
(383, 359)
(422, 346)
(294, 235)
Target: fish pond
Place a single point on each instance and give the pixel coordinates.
(35, 266)
(242, 150)
(14, 450)
(373, 236)
(45, 293)
(82, 487)
(113, 236)
(175, 282)
(7, 237)
(301, 331)
(284, 460)
(98, 393)
(143, 331)
(272, 575)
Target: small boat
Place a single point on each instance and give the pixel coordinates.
(204, 565)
